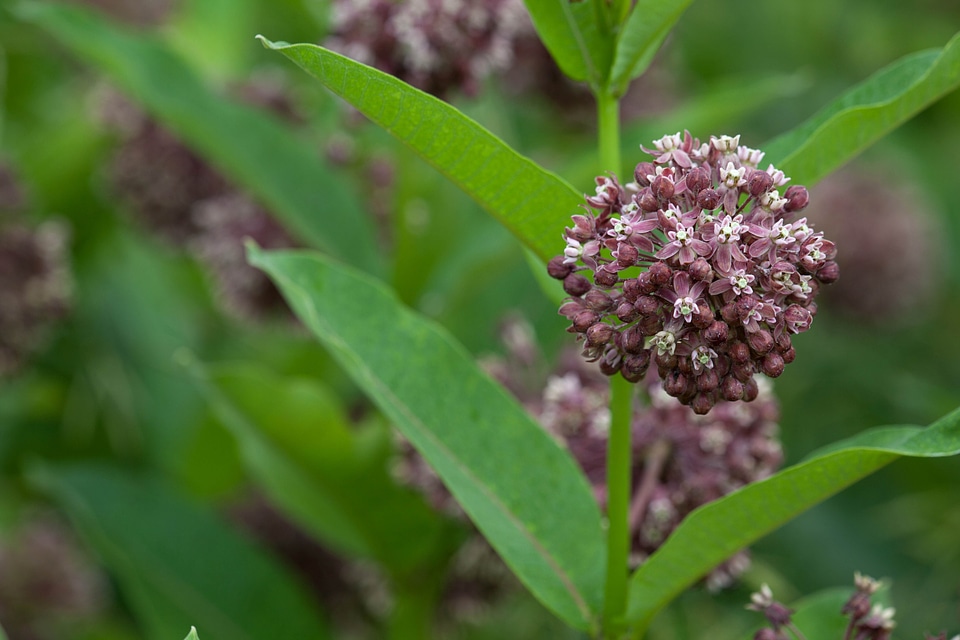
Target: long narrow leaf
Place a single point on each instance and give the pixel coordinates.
(642, 35)
(573, 33)
(866, 113)
(176, 562)
(327, 476)
(521, 489)
(534, 204)
(717, 530)
(252, 148)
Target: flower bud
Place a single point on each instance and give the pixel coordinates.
(750, 390)
(576, 285)
(599, 333)
(641, 172)
(702, 403)
(759, 183)
(773, 364)
(662, 188)
(598, 301)
(739, 352)
(631, 290)
(708, 199)
(796, 197)
(635, 366)
(708, 381)
(647, 305)
(627, 256)
(557, 269)
(647, 201)
(660, 274)
(717, 332)
(626, 312)
(632, 340)
(760, 341)
(604, 278)
(700, 270)
(584, 320)
(731, 389)
(829, 272)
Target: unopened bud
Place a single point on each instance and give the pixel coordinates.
(796, 197)
(576, 285)
(557, 269)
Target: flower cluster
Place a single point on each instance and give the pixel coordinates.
(183, 200)
(681, 461)
(439, 46)
(697, 267)
(35, 288)
(875, 215)
(867, 621)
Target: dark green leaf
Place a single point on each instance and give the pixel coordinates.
(250, 147)
(717, 530)
(533, 203)
(176, 562)
(524, 492)
(641, 37)
(329, 477)
(576, 36)
(866, 113)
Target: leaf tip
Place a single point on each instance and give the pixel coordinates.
(269, 44)
(254, 252)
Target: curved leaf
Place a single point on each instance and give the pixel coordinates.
(641, 37)
(192, 635)
(329, 477)
(176, 562)
(576, 37)
(717, 530)
(533, 203)
(866, 113)
(522, 490)
(250, 147)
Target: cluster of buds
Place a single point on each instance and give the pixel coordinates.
(697, 267)
(864, 211)
(47, 584)
(439, 46)
(681, 460)
(183, 200)
(35, 279)
(867, 621)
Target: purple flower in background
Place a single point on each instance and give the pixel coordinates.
(698, 266)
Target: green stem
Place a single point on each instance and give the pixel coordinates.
(412, 614)
(618, 504)
(618, 448)
(608, 123)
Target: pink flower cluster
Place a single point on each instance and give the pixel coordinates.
(699, 267)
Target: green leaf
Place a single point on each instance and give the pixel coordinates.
(522, 490)
(534, 204)
(717, 530)
(192, 635)
(866, 113)
(329, 477)
(250, 147)
(175, 561)
(641, 37)
(576, 36)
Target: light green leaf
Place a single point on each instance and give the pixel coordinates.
(325, 474)
(641, 37)
(576, 36)
(175, 561)
(252, 148)
(192, 635)
(522, 490)
(717, 530)
(866, 113)
(534, 204)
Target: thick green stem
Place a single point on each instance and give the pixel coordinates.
(618, 449)
(618, 504)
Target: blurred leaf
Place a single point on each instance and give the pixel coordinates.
(250, 147)
(521, 489)
(533, 203)
(576, 37)
(641, 37)
(175, 561)
(192, 635)
(866, 113)
(333, 480)
(716, 531)
(223, 52)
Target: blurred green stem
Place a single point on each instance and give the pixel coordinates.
(618, 448)
(412, 615)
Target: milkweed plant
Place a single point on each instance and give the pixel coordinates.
(641, 462)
